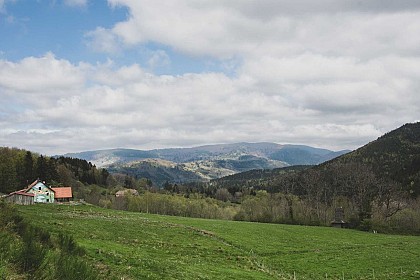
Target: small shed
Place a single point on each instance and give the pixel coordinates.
(63, 194)
(21, 197)
(338, 221)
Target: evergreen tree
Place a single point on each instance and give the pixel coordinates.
(51, 171)
(41, 168)
(8, 176)
(28, 168)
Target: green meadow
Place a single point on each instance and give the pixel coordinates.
(126, 245)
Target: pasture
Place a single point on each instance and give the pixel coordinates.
(126, 245)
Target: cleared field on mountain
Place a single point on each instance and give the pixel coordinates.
(125, 245)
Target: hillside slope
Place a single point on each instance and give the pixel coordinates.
(138, 246)
(393, 158)
(376, 181)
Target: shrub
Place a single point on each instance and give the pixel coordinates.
(68, 245)
(31, 253)
(34, 254)
(366, 225)
(5, 244)
(71, 267)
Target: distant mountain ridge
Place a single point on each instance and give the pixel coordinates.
(204, 162)
(273, 151)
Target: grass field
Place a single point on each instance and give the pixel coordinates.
(125, 245)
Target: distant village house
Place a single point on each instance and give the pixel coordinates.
(38, 192)
(126, 192)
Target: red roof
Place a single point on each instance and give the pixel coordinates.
(21, 192)
(63, 192)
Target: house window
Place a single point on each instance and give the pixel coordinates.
(39, 188)
(48, 200)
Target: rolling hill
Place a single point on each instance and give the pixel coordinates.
(205, 162)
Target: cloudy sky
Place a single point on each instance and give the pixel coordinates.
(80, 75)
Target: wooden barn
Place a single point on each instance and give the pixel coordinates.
(20, 197)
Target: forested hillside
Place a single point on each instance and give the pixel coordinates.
(257, 178)
(394, 156)
(376, 184)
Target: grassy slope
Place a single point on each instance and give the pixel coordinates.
(137, 246)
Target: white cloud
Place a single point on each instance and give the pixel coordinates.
(333, 74)
(32, 74)
(158, 58)
(227, 28)
(76, 3)
(84, 107)
(101, 40)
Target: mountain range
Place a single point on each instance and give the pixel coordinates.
(204, 163)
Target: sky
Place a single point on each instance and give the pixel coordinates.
(79, 75)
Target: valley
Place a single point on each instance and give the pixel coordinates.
(258, 224)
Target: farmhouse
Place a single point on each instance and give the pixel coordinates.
(42, 193)
(38, 192)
